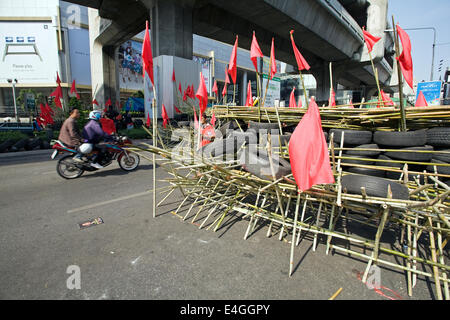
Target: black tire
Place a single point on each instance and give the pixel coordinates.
(352, 137)
(439, 137)
(412, 156)
(401, 139)
(241, 137)
(275, 140)
(326, 136)
(35, 143)
(366, 162)
(19, 145)
(374, 153)
(411, 177)
(442, 156)
(375, 186)
(67, 169)
(387, 163)
(45, 145)
(4, 146)
(440, 170)
(227, 127)
(367, 171)
(258, 164)
(263, 125)
(129, 164)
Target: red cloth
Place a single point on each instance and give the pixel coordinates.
(73, 90)
(332, 100)
(224, 91)
(405, 59)
(387, 100)
(58, 92)
(308, 151)
(195, 119)
(215, 89)
(164, 116)
(232, 66)
(95, 102)
(173, 76)
(213, 120)
(421, 101)
(147, 56)
(176, 109)
(149, 122)
(249, 102)
(108, 103)
(273, 63)
(58, 80)
(227, 79)
(301, 62)
(179, 88)
(108, 125)
(370, 40)
(292, 102)
(255, 52)
(202, 94)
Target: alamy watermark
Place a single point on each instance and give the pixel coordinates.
(74, 280)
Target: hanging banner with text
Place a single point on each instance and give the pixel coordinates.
(273, 92)
(431, 91)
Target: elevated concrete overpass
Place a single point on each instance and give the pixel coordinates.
(325, 31)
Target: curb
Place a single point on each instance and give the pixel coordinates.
(25, 153)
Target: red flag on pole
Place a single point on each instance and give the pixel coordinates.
(249, 102)
(232, 66)
(227, 79)
(179, 88)
(148, 123)
(213, 119)
(405, 59)
(292, 102)
(195, 118)
(58, 92)
(164, 116)
(147, 56)
(301, 62)
(255, 52)
(273, 63)
(58, 80)
(73, 90)
(386, 99)
(308, 151)
(173, 76)
(202, 94)
(215, 89)
(224, 91)
(176, 109)
(49, 110)
(95, 102)
(421, 101)
(108, 103)
(332, 100)
(370, 39)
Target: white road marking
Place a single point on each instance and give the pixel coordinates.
(99, 204)
(135, 260)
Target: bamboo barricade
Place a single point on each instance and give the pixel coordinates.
(222, 190)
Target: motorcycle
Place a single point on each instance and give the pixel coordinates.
(68, 168)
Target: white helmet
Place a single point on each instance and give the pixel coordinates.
(95, 115)
(86, 148)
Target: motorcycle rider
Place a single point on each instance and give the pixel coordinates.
(94, 134)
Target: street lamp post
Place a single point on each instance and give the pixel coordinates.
(14, 96)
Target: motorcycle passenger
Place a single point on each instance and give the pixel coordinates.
(69, 133)
(94, 134)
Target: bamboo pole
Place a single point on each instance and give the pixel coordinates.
(400, 85)
(291, 262)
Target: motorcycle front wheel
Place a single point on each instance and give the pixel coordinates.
(67, 169)
(129, 163)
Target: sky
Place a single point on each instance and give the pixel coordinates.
(424, 14)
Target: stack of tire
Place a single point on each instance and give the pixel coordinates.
(439, 138)
(23, 144)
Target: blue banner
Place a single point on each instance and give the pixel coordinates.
(431, 91)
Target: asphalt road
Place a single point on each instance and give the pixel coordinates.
(135, 256)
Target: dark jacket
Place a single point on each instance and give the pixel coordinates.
(93, 132)
(69, 133)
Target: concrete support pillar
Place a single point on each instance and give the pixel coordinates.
(244, 85)
(171, 29)
(323, 82)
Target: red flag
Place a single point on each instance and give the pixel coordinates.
(192, 92)
(185, 94)
(58, 80)
(213, 119)
(95, 102)
(308, 151)
(73, 90)
(332, 100)
(147, 56)
(386, 99)
(179, 88)
(215, 89)
(405, 58)
(273, 63)
(58, 92)
(148, 123)
(108, 103)
(227, 79)
(173, 77)
(176, 109)
(195, 119)
(421, 101)
(255, 52)
(224, 91)
(301, 62)
(202, 94)
(351, 104)
(292, 102)
(249, 102)
(232, 66)
(164, 116)
(370, 39)
(49, 109)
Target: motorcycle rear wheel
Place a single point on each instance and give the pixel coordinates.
(130, 163)
(67, 169)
